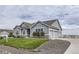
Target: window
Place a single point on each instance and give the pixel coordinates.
(21, 29)
(17, 32)
(23, 32)
(41, 29)
(38, 30)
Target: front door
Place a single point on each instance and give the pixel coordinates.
(28, 32)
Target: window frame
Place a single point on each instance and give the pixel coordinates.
(41, 29)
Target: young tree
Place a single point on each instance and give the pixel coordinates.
(10, 34)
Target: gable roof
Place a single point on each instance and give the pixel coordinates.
(16, 26)
(27, 25)
(46, 23)
(49, 22)
(59, 24)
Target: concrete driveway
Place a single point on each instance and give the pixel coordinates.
(74, 47)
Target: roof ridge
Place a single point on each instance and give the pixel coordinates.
(26, 22)
(49, 20)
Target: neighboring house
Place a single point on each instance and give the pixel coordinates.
(4, 34)
(51, 28)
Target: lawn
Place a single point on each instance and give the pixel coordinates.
(26, 43)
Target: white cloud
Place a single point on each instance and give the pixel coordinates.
(14, 15)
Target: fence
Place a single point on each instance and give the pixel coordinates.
(70, 36)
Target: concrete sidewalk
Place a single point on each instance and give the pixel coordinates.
(73, 48)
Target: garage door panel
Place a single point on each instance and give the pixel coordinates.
(53, 34)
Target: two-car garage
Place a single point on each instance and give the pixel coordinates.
(53, 34)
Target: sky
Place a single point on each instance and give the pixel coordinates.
(12, 15)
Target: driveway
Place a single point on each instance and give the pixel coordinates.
(74, 47)
(54, 47)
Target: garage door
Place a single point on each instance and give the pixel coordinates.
(53, 34)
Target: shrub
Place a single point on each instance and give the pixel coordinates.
(42, 34)
(38, 34)
(34, 33)
(14, 36)
(20, 37)
(10, 34)
(1, 37)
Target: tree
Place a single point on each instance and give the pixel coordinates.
(38, 34)
(10, 34)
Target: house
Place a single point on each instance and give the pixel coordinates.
(51, 28)
(4, 34)
(22, 30)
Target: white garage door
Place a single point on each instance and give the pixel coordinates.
(53, 34)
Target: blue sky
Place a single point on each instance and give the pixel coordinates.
(11, 15)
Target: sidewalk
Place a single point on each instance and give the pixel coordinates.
(73, 48)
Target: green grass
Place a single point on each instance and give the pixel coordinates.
(26, 43)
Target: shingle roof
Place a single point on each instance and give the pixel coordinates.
(49, 22)
(16, 26)
(28, 25)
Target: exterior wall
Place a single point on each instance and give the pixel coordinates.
(49, 32)
(20, 32)
(24, 30)
(60, 33)
(15, 31)
(38, 26)
(55, 24)
(23, 25)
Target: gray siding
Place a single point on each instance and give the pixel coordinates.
(17, 30)
(55, 24)
(23, 25)
(38, 26)
(20, 33)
